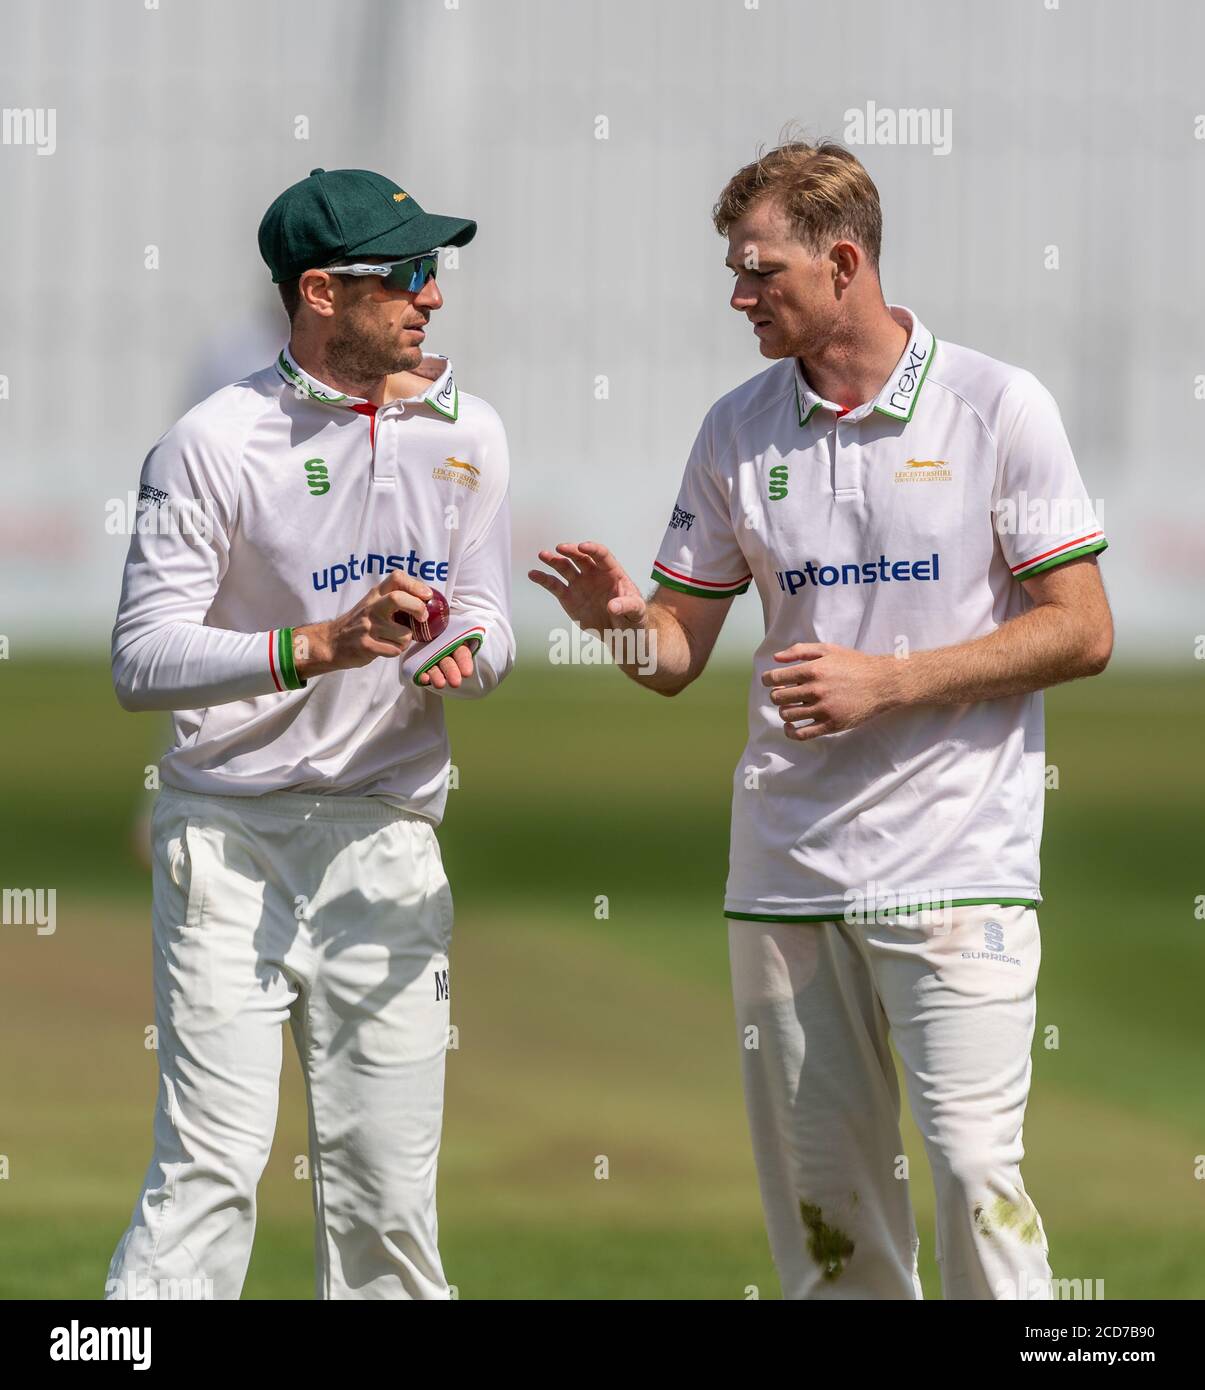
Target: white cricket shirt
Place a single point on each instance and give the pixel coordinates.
(902, 525)
(277, 502)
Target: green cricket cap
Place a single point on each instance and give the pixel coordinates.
(350, 214)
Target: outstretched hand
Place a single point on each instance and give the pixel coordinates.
(594, 589)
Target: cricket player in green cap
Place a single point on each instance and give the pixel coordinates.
(282, 598)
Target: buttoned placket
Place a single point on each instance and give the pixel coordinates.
(847, 457)
(844, 457)
(385, 445)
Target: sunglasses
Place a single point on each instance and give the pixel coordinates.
(411, 274)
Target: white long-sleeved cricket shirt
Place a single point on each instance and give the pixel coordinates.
(278, 502)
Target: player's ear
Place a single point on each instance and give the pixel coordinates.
(844, 260)
(317, 291)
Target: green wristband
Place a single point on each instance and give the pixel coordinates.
(288, 668)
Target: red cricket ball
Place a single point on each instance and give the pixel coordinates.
(436, 620)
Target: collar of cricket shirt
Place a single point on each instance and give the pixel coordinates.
(901, 389)
(442, 395)
(305, 384)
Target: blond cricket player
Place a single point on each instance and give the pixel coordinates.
(924, 550)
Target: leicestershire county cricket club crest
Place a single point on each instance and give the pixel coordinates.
(923, 471)
(460, 471)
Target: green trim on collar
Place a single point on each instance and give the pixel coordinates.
(803, 419)
(293, 377)
(905, 381)
(452, 414)
(897, 414)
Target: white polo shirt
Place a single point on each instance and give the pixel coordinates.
(277, 502)
(902, 525)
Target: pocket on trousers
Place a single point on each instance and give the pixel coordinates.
(177, 861)
(186, 872)
(197, 881)
(184, 860)
(206, 926)
(439, 891)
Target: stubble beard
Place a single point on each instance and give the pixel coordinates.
(362, 353)
(810, 341)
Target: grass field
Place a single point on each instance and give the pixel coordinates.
(580, 1037)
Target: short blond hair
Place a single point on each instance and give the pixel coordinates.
(822, 188)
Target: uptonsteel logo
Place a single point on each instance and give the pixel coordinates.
(880, 571)
(356, 567)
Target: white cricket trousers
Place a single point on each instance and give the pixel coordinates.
(335, 914)
(815, 1003)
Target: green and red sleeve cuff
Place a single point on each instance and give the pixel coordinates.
(471, 638)
(704, 588)
(1091, 543)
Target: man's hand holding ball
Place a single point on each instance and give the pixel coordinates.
(457, 665)
(396, 614)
